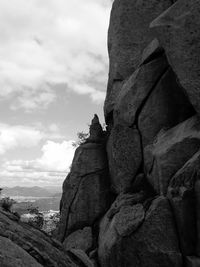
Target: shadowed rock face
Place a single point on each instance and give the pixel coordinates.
(86, 190)
(124, 157)
(128, 36)
(172, 149)
(132, 197)
(145, 238)
(178, 30)
(23, 245)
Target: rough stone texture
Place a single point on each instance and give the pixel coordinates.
(82, 257)
(86, 190)
(178, 30)
(192, 261)
(166, 106)
(154, 243)
(197, 206)
(89, 158)
(80, 239)
(96, 131)
(124, 157)
(172, 149)
(183, 205)
(46, 251)
(128, 35)
(152, 51)
(11, 255)
(136, 89)
(184, 201)
(90, 202)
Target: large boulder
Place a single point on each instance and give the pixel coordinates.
(86, 189)
(192, 261)
(11, 255)
(136, 89)
(178, 30)
(128, 35)
(90, 201)
(185, 204)
(166, 106)
(124, 157)
(80, 239)
(132, 238)
(171, 150)
(29, 245)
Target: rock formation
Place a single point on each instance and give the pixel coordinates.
(132, 197)
(149, 156)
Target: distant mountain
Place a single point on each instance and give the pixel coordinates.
(35, 191)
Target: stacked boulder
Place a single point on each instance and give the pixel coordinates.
(132, 197)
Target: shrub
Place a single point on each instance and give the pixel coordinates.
(38, 218)
(82, 137)
(6, 203)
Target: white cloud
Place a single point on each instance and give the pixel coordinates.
(51, 42)
(18, 136)
(49, 169)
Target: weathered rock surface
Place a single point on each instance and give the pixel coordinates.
(86, 190)
(82, 257)
(185, 204)
(172, 149)
(124, 157)
(128, 35)
(197, 206)
(80, 239)
(178, 30)
(136, 89)
(192, 261)
(41, 249)
(166, 106)
(13, 255)
(150, 240)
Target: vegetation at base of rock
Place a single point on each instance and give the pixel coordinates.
(7, 203)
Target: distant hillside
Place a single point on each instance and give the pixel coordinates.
(35, 191)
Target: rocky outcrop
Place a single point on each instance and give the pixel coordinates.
(132, 197)
(136, 89)
(86, 190)
(124, 157)
(23, 245)
(178, 32)
(13, 255)
(139, 236)
(80, 239)
(172, 149)
(149, 157)
(128, 36)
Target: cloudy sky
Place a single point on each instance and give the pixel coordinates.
(53, 74)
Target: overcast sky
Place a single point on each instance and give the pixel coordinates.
(53, 74)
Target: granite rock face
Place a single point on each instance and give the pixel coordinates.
(124, 156)
(86, 190)
(147, 237)
(148, 164)
(23, 245)
(132, 197)
(128, 36)
(80, 239)
(172, 149)
(178, 30)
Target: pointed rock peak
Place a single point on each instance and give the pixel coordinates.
(96, 131)
(95, 120)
